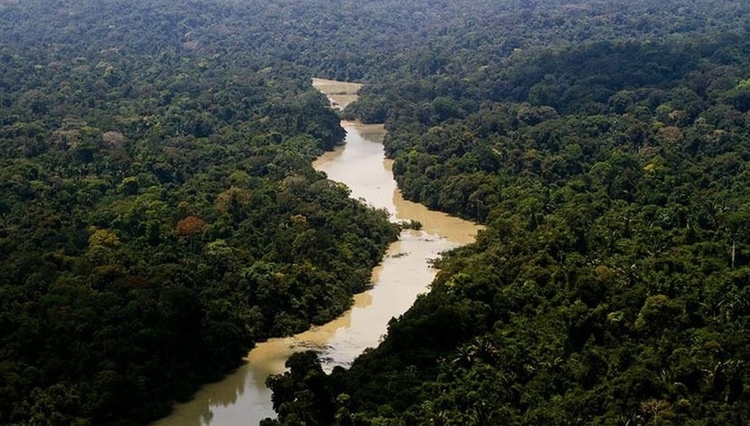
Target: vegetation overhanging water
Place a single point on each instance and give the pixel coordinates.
(242, 398)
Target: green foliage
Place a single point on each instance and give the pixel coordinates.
(609, 164)
(300, 396)
(159, 213)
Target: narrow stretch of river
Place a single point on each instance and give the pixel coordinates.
(242, 398)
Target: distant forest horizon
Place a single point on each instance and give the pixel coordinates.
(159, 214)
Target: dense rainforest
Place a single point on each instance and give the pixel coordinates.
(158, 213)
(610, 164)
(158, 210)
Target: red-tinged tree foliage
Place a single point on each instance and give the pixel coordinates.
(233, 201)
(190, 225)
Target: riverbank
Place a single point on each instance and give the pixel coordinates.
(339, 93)
(406, 271)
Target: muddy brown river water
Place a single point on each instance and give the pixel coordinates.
(242, 398)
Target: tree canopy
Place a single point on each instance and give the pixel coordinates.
(609, 164)
(158, 213)
(158, 210)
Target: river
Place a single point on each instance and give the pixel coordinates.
(242, 398)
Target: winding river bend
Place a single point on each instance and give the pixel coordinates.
(241, 398)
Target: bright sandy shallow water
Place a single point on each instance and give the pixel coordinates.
(241, 398)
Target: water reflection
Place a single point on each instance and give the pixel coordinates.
(242, 398)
